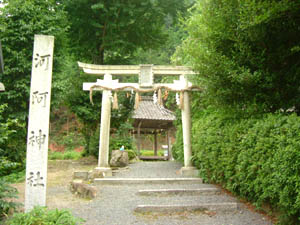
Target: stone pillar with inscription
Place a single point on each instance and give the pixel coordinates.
(38, 124)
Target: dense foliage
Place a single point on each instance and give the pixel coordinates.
(19, 22)
(7, 194)
(246, 52)
(105, 32)
(42, 216)
(120, 138)
(257, 157)
(247, 56)
(12, 159)
(115, 32)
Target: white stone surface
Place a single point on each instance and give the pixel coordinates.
(179, 191)
(146, 76)
(128, 181)
(177, 85)
(105, 125)
(189, 171)
(38, 124)
(186, 125)
(2, 88)
(226, 206)
(133, 69)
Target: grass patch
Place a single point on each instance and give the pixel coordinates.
(41, 215)
(151, 152)
(64, 155)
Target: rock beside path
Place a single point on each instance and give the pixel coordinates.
(83, 190)
(119, 158)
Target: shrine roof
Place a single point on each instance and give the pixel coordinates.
(148, 110)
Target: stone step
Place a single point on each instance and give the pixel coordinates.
(127, 181)
(185, 200)
(225, 206)
(181, 192)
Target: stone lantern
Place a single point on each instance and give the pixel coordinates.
(2, 88)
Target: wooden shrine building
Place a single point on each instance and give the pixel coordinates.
(152, 118)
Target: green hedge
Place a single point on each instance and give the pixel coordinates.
(257, 158)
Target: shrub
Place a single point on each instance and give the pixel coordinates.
(12, 148)
(118, 141)
(177, 148)
(6, 192)
(6, 166)
(257, 157)
(131, 154)
(115, 141)
(93, 147)
(42, 216)
(15, 177)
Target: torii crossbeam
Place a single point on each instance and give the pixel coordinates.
(146, 83)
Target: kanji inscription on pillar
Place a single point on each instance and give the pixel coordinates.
(38, 124)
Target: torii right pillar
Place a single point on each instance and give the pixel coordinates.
(188, 169)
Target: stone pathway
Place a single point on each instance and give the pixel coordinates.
(133, 201)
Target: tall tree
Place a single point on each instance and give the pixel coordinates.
(19, 22)
(246, 52)
(109, 32)
(105, 31)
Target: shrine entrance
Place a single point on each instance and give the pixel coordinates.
(152, 119)
(146, 83)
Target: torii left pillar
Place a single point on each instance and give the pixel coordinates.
(103, 164)
(188, 169)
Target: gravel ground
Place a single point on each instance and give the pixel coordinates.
(115, 204)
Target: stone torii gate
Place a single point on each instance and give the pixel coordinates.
(146, 84)
(2, 88)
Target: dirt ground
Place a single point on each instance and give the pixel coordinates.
(102, 210)
(60, 174)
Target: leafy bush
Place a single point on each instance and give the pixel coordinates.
(257, 157)
(15, 177)
(115, 141)
(177, 148)
(93, 147)
(12, 148)
(42, 216)
(6, 192)
(70, 141)
(131, 154)
(7, 166)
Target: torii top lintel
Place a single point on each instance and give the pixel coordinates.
(134, 69)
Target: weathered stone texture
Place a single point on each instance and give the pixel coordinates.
(119, 158)
(82, 190)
